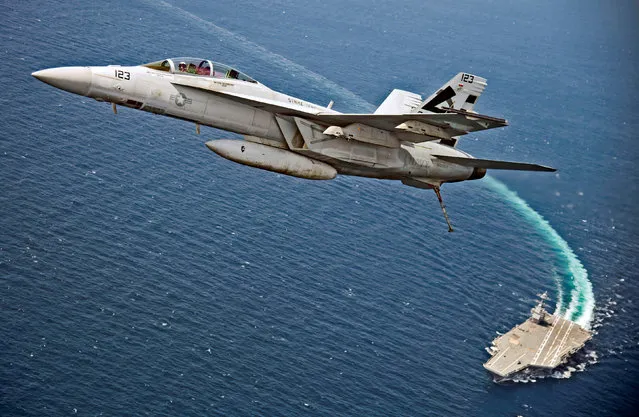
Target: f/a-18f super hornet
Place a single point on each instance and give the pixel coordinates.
(407, 138)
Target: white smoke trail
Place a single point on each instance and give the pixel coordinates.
(284, 64)
(582, 300)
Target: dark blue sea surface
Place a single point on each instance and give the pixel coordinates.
(141, 274)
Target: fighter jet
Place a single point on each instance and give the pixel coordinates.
(408, 138)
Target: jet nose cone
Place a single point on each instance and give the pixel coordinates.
(72, 79)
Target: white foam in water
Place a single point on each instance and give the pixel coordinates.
(604, 311)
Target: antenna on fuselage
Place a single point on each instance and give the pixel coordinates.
(330, 105)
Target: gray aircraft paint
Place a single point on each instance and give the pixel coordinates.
(407, 138)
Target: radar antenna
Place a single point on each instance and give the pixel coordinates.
(538, 312)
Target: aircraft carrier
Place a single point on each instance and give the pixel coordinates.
(543, 341)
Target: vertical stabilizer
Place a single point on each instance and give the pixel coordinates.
(460, 93)
(400, 102)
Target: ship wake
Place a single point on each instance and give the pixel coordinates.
(575, 297)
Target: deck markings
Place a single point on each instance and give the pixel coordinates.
(496, 359)
(561, 344)
(558, 334)
(512, 363)
(543, 343)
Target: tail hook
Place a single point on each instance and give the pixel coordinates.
(441, 203)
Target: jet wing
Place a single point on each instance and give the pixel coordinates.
(451, 123)
(454, 123)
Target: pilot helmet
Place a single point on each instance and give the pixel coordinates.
(182, 65)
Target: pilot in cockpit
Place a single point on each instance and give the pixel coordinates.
(204, 69)
(182, 66)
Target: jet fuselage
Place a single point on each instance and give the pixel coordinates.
(194, 99)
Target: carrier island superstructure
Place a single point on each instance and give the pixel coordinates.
(543, 341)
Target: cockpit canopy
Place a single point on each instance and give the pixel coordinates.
(199, 68)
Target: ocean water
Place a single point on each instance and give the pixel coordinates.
(140, 274)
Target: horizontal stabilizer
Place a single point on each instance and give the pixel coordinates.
(492, 164)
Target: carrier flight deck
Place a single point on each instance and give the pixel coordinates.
(543, 341)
